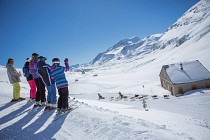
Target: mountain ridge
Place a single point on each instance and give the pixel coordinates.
(189, 28)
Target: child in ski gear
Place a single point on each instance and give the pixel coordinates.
(14, 78)
(44, 71)
(33, 69)
(26, 69)
(30, 79)
(61, 82)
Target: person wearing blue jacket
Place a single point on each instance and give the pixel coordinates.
(44, 71)
(61, 83)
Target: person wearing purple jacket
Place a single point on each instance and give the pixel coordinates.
(33, 69)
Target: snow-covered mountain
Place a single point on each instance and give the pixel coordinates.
(133, 68)
(127, 48)
(189, 28)
(188, 32)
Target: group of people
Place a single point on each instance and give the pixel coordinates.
(41, 76)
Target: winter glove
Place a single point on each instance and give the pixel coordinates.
(66, 64)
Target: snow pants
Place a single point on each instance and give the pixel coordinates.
(32, 85)
(51, 96)
(40, 92)
(16, 91)
(63, 98)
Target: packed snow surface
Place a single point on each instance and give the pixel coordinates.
(131, 67)
(184, 117)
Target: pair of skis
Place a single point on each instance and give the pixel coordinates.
(72, 107)
(18, 100)
(47, 107)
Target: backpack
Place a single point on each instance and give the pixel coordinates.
(26, 72)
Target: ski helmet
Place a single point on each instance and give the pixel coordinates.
(35, 55)
(28, 59)
(42, 58)
(56, 61)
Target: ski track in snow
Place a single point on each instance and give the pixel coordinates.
(177, 118)
(24, 122)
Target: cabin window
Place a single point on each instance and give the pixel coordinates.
(207, 85)
(180, 90)
(193, 87)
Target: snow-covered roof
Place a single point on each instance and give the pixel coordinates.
(192, 71)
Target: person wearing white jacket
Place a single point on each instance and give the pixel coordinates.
(14, 78)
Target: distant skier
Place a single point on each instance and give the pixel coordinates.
(30, 79)
(33, 69)
(61, 83)
(44, 71)
(14, 78)
(144, 104)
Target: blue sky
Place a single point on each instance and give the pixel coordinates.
(79, 29)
